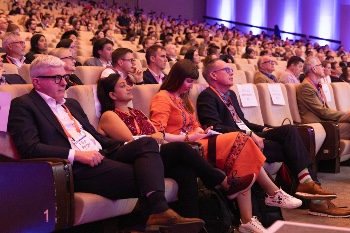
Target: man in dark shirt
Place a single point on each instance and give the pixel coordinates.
(124, 21)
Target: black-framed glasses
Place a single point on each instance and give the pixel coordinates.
(318, 65)
(69, 57)
(272, 62)
(132, 60)
(227, 69)
(56, 78)
(19, 42)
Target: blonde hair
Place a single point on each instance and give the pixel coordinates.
(57, 52)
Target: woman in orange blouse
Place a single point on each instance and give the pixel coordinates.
(236, 153)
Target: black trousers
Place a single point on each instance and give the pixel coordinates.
(184, 165)
(283, 144)
(133, 171)
(137, 168)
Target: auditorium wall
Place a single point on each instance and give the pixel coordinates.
(321, 18)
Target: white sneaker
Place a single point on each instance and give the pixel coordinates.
(254, 226)
(283, 200)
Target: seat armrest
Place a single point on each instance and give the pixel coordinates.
(331, 146)
(307, 135)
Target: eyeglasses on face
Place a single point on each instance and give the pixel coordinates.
(227, 69)
(132, 60)
(69, 57)
(272, 62)
(19, 42)
(56, 78)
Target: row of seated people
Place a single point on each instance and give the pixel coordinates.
(56, 67)
(190, 136)
(85, 95)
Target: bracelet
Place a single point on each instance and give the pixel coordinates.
(163, 133)
(140, 83)
(249, 133)
(187, 139)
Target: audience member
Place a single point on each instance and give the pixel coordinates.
(72, 45)
(266, 65)
(336, 71)
(294, 67)
(344, 61)
(123, 63)
(218, 106)
(123, 21)
(193, 56)
(171, 54)
(38, 45)
(102, 52)
(14, 47)
(156, 62)
(229, 55)
(31, 26)
(3, 26)
(66, 55)
(312, 102)
(146, 43)
(327, 72)
(45, 21)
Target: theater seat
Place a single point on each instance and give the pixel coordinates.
(10, 68)
(239, 77)
(88, 207)
(341, 93)
(89, 74)
(253, 115)
(23, 71)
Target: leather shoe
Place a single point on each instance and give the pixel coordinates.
(171, 222)
(328, 209)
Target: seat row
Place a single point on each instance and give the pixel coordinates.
(91, 207)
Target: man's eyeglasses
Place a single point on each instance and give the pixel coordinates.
(69, 57)
(56, 78)
(272, 62)
(227, 69)
(19, 42)
(132, 60)
(318, 65)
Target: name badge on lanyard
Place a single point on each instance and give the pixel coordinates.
(82, 142)
(242, 126)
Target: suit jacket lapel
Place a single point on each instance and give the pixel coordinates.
(46, 111)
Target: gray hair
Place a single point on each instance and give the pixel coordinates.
(39, 66)
(309, 64)
(8, 38)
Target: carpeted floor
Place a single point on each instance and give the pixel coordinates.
(338, 183)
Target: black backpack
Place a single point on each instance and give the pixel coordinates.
(215, 211)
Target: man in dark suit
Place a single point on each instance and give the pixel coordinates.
(45, 124)
(218, 106)
(336, 71)
(156, 61)
(344, 61)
